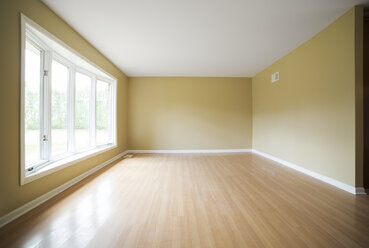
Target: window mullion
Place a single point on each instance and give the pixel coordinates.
(42, 105)
(71, 109)
(46, 103)
(93, 113)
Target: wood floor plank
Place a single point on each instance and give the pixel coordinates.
(196, 200)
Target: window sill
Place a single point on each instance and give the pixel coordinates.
(63, 163)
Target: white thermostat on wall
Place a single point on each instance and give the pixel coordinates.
(275, 77)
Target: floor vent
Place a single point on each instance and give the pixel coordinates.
(128, 156)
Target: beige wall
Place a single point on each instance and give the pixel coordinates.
(308, 116)
(11, 194)
(189, 113)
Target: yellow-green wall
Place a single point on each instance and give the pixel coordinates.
(12, 195)
(308, 116)
(189, 113)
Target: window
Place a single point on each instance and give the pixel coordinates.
(32, 103)
(59, 108)
(103, 112)
(67, 105)
(82, 124)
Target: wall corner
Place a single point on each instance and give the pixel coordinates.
(359, 97)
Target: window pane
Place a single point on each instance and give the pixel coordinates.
(82, 111)
(32, 110)
(59, 108)
(103, 113)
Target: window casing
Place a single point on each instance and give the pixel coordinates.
(66, 104)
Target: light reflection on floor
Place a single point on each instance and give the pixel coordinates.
(194, 201)
(76, 226)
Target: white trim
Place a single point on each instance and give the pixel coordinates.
(191, 151)
(63, 163)
(43, 198)
(316, 175)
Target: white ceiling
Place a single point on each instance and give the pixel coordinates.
(234, 38)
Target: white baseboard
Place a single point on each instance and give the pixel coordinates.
(38, 201)
(191, 151)
(331, 181)
(43, 198)
(360, 191)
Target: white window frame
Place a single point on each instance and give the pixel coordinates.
(71, 157)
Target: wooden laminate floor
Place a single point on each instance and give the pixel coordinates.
(207, 200)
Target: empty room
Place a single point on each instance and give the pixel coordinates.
(184, 123)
